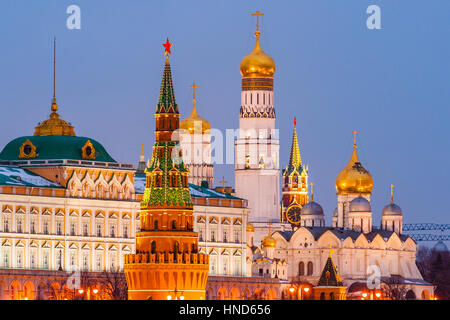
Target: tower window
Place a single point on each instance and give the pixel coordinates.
(257, 98)
(156, 225)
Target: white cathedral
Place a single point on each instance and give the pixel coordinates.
(287, 237)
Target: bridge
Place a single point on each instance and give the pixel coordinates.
(427, 227)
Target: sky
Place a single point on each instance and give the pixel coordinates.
(332, 73)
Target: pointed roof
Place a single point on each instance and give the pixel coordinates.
(330, 276)
(141, 165)
(167, 102)
(295, 160)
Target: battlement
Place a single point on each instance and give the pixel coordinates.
(167, 257)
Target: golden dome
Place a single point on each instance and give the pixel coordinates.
(269, 242)
(195, 123)
(250, 227)
(257, 63)
(354, 178)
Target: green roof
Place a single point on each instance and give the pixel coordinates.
(55, 147)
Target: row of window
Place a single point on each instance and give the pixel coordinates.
(225, 236)
(73, 230)
(250, 95)
(44, 262)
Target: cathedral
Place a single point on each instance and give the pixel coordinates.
(67, 206)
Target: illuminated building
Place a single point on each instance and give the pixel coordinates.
(167, 263)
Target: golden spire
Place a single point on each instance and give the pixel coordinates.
(54, 105)
(54, 125)
(312, 191)
(194, 120)
(392, 193)
(142, 153)
(295, 158)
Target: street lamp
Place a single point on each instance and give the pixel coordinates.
(169, 297)
(80, 291)
(95, 291)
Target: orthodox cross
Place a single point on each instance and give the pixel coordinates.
(354, 137)
(331, 249)
(193, 89)
(223, 182)
(257, 14)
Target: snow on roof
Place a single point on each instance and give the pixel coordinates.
(15, 176)
(196, 191)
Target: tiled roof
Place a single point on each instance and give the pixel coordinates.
(18, 177)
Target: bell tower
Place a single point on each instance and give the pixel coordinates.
(167, 264)
(257, 174)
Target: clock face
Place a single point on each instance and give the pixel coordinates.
(293, 214)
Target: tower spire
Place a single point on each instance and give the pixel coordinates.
(54, 107)
(392, 193)
(295, 160)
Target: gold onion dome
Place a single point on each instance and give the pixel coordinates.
(194, 123)
(269, 242)
(250, 227)
(257, 63)
(354, 178)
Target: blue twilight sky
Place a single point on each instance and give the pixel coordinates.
(333, 74)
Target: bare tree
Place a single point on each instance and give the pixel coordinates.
(393, 288)
(115, 285)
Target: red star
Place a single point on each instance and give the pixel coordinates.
(167, 46)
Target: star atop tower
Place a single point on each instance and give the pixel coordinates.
(167, 46)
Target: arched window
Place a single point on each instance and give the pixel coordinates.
(322, 296)
(176, 247)
(156, 225)
(153, 247)
(301, 268)
(331, 295)
(310, 268)
(174, 224)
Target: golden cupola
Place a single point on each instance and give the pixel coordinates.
(269, 242)
(194, 123)
(257, 64)
(354, 178)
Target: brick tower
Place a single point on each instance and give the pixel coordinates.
(167, 264)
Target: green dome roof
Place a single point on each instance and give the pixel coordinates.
(55, 147)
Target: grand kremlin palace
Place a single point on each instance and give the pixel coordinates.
(67, 206)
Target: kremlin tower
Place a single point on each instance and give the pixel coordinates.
(257, 147)
(295, 183)
(167, 263)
